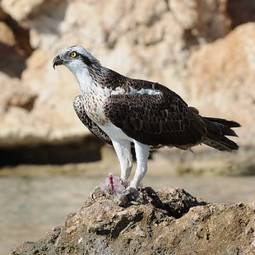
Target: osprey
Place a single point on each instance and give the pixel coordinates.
(124, 111)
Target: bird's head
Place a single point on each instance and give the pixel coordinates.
(76, 59)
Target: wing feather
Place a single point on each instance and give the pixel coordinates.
(155, 119)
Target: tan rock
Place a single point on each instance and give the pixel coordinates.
(204, 20)
(143, 39)
(38, 108)
(6, 35)
(52, 118)
(164, 222)
(212, 20)
(14, 100)
(21, 9)
(222, 78)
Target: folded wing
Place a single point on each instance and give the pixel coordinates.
(154, 115)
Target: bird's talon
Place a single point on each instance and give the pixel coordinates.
(124, 183)
(130, 196)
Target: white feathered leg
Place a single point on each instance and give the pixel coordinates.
(123, 151)
(142, 153)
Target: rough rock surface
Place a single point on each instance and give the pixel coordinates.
(167, 222)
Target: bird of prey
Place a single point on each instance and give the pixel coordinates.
(123, 111)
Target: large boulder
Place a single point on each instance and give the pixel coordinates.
(167, 222)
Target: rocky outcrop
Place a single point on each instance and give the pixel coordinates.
(167, 222)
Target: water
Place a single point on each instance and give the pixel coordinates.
(31, 204)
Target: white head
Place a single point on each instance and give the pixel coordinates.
(78, 60)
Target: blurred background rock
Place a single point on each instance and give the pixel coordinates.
(202, 49)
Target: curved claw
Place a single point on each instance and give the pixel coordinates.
(130, 196)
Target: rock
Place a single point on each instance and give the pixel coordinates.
(14, 46)
(30, 117)
(223, 86)
(170, 222)
(16, 102)
(3, 15)
(240, 12)
(12, 62)
(22, 100)
(203, 20)
(6, 35)
(20, 10)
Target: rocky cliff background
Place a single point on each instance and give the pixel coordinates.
(203, 50)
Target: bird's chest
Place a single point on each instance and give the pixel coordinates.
(94, 100)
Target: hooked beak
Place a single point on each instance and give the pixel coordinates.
(57, 61)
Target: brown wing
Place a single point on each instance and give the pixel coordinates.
(155, 119)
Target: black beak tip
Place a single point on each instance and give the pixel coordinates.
(57, 61)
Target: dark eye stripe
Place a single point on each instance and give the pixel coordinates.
(85, 60)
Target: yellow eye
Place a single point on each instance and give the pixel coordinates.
(73, 54)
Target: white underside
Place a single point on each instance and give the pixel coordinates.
(115, 133)
(122, 145)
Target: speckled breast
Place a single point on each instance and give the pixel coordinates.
(94, 106)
